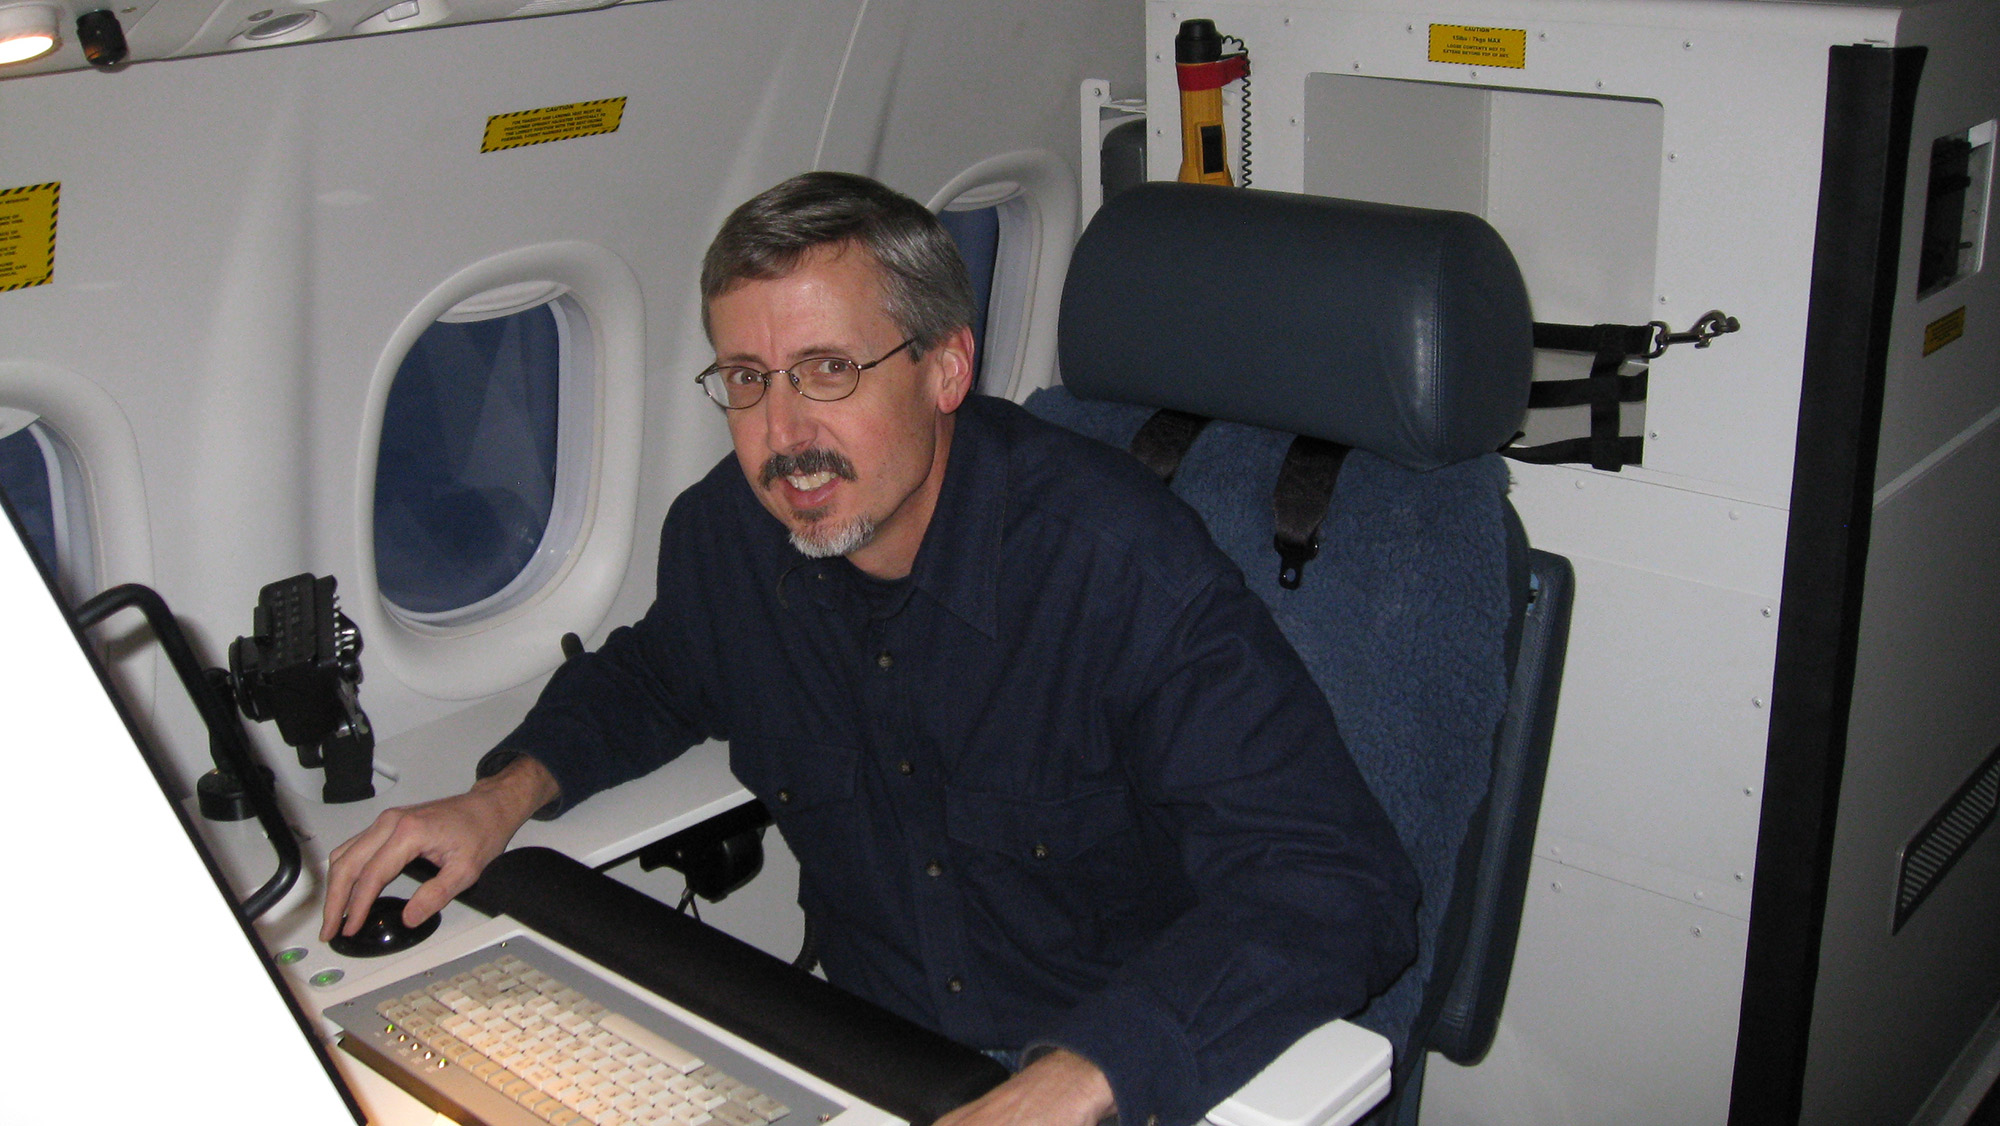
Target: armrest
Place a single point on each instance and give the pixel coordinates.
(1334, 1074)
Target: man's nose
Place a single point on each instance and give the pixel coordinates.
(788, 422)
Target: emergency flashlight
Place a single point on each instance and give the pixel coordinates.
(1202, 72)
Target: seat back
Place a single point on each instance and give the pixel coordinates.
(1433, 629)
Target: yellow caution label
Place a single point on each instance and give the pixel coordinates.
(1479, 46)
(1944, 330)
(552, 123)
(28, 235)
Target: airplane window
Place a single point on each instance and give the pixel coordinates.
(24, 478)
(470, 512)
(1014, 216)
(977, 233)
(37, 470)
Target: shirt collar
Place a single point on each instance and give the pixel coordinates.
(958, 563)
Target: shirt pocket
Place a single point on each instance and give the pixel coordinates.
(809, 789)
(1067, 879)
(1064, 831)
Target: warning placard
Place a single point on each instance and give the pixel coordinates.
(553, 123)
(1944, 330)
(1479, 46)
(28, 235)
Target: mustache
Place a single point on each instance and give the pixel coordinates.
(805, 462)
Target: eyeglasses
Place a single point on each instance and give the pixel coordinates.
(823, 379)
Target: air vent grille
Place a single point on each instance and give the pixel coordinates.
(1932, 852)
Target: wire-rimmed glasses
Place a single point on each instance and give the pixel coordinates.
(823, 379)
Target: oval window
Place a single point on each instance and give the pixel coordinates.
(481, 477)
(977, 233)
(38, 476)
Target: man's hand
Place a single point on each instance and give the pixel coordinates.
(461, 835)
(1059, 1089)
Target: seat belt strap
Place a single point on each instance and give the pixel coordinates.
(1300, 503)
(1165, 439)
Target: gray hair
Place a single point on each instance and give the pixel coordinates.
(925, 288)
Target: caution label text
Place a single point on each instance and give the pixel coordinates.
(1479, 46)
(28, 235)
(552, 123)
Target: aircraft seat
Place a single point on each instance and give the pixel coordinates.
(1361, 363)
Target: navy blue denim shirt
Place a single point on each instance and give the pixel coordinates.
(1066, 785)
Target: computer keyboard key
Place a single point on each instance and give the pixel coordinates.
(733, 1114)
(672, 1054)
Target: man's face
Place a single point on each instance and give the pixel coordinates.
(858, 477)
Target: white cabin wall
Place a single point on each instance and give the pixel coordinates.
(964, 81)
(943, 97)
(1628, 978)
(241, 235)
(1924, 713)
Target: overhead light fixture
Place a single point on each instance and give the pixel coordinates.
(28, 31)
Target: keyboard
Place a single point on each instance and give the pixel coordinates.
(519, 1034)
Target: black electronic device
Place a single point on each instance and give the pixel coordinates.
(383, 931)
(717, 856)
(301, 667)
(102, 39)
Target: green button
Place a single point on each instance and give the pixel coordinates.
(291, 954)
(325, 978)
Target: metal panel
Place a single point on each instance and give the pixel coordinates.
(1659, 785)
(1620, 1011)
(1924, 714)
(1932, 399)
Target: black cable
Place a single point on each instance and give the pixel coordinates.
(808, 955)
(225, 731)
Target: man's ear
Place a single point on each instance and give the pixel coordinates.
(952, 363)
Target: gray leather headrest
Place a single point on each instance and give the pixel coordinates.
(1402, 331)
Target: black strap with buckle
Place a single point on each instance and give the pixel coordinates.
(1603, 391)
(1300, 503)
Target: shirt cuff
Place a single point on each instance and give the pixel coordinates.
(1143, 1053)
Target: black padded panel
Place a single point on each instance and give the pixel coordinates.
(1402, 331)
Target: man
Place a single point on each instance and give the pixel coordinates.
(1056, 783)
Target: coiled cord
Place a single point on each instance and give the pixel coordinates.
(1244, 48)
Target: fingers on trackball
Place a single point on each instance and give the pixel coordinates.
(382, 931)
